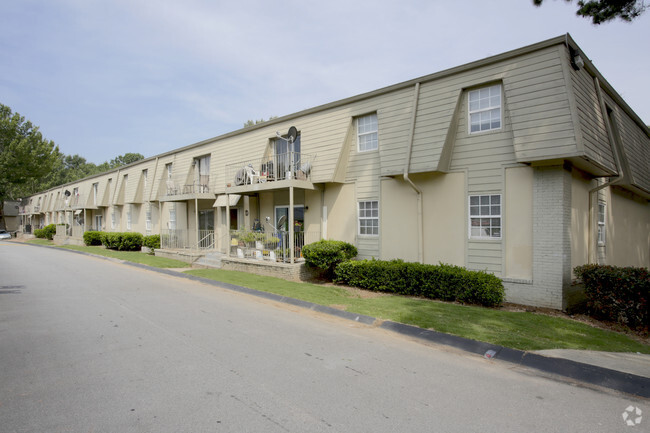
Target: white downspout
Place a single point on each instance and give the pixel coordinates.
(420, 227)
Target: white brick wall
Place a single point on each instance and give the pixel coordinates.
(551, 241)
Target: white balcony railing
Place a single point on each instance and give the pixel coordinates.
(285, 166)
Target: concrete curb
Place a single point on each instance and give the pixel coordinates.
(587, 373)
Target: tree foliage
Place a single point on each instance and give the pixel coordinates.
(601, 11)
(25, 155)
(257, 122)
(29, 163)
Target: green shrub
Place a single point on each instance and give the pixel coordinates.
(122, 241)
(152, 241)
(92, 238)
(446, 282)
(49, 231)
(617, 294)
(39, 233)
(326, 255)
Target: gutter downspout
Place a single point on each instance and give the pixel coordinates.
(621, 167)
(420, 228)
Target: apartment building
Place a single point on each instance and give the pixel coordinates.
(525, 164)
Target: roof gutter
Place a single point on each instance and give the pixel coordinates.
(418, 191)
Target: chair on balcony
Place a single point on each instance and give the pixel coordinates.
(252, 176)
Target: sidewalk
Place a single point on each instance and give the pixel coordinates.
(632, 363)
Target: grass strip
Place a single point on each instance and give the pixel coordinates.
(129, 256)
(517, 330)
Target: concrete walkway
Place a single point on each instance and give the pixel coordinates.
(632, 363)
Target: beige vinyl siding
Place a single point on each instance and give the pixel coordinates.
(636, 145)
(592, 120)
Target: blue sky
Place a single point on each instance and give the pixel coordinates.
(103, 78)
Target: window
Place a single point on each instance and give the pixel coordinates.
(369, 218)
(367, 133)
(601, 223)
(148, 218)
(145, 174)
(95, 191)
(485, 216)
(113, 220)
(485, 109)
(172, 216)
(168, 168)
(203, 173)
(128, 217)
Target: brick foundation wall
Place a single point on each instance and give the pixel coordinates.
(551, 242)
(287, 271)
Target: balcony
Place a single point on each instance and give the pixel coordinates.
(181, 190)
(278, 171)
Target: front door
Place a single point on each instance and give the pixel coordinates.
(206, 228)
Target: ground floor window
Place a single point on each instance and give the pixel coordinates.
(369, 218)
(128, 216)
(98, 222)
(148, 218)
(485, 216)
(601, 222)
(172, 217)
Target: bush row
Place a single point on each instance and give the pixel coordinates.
(617, 294)
(445, 282)
(122, 241)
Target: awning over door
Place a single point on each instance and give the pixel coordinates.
(222, 200)
(77, 212)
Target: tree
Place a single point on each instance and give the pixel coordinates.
(601, 11)
(25, 156)
(126, 159)
(257, 122)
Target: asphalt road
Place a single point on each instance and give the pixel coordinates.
(90, 345)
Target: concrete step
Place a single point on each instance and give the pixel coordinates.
(210, 260)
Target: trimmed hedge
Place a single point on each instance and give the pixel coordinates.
(46, 232)
(445, 282)
(152, 241)
(326, 255)
(92, 238)
(39, 233)
(617, 294)
(127, 241)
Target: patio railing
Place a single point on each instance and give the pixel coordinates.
(173, 239)
(272, 246)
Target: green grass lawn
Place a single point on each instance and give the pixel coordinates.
(130, 256)
(518, 330)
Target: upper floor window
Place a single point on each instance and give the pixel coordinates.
(203, 173)
(367, 133)
(485, 216)
(168, 168)
(485, 109)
